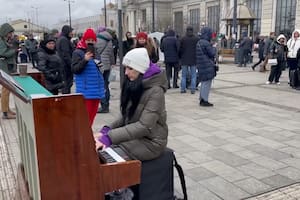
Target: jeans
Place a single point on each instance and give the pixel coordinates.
(192, 73)
(204, 89)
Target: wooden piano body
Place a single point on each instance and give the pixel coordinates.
(58, 155)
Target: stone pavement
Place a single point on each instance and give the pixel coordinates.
(247, 144)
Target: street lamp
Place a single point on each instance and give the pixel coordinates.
(69, 4)
(36, 17)
(120, 36)
(105, 14)
(153, 24)
(234, 18)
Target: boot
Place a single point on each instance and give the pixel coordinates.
(206, 104)
(103, 110)
(7, 115)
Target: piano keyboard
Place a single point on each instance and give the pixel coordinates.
(111, 155)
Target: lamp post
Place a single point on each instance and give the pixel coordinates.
(36, 17)
(120, 31)
(153, 24)
(234, 20)
(105, 14)
(69, 5)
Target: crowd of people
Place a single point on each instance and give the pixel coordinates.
(58, 57)
(141, 128)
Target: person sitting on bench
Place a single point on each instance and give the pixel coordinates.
(141, 130)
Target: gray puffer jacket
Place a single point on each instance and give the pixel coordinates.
(105, 50)
(145, 134)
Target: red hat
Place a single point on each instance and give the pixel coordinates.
(142, 35)
(89, 34)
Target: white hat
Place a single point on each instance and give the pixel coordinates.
(137, 59)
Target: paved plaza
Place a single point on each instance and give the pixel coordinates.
(247, 145)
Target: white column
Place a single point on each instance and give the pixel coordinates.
(274, 15)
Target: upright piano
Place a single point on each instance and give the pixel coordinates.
(58, 156)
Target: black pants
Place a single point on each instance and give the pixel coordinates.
(105, 100)
(172, 67)
(34, 59)
(68, 78)
(275, 72)
(260, 61)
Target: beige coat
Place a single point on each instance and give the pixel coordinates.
(144, 137)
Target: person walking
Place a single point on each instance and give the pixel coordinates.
(245, 47)
(65, 48)
(187, 55)
(51, 65)
(278, 50)
(88, 78)
(261, 57)
(170, 48)
(205, 56)
(104, 50)
(7, 58)
(268, 44)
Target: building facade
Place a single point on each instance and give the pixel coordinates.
(23, 27)
(281, 16)
(81, 24)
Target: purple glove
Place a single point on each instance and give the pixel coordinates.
(105, 130)
(104, 139)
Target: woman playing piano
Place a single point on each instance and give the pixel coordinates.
(141, 129)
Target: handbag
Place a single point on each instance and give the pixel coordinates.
(272, 61)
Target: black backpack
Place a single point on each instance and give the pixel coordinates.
(157, 179)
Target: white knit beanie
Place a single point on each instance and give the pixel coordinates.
(137, 59)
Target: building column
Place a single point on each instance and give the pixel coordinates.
(297, 20)
(268, 17)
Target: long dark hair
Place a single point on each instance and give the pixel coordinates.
(131, 94)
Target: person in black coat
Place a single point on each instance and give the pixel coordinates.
(261, 47)
(187, 54)
(205, 56)
(170, 48)
(65, 49)
(245, 50)
(51, 65)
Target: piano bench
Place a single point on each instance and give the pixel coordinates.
(157, 179)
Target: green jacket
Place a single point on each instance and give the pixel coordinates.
(7, 53)
(144, 136)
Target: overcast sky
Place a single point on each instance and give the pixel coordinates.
(49, 11)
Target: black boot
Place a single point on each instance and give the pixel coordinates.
(103, 109)
(205, 103)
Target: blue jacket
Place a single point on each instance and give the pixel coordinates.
(205, 55)
(89, 80)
